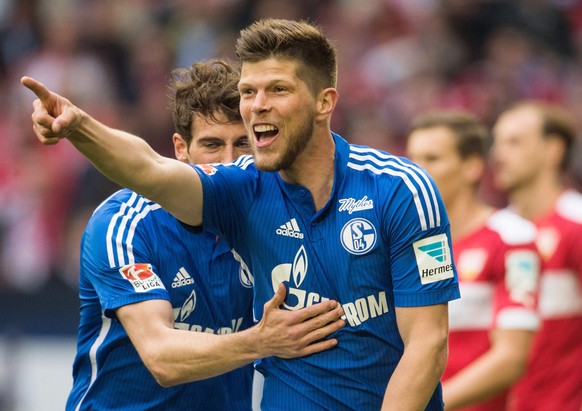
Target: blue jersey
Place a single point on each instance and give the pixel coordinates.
(133, 251)
(381, 241)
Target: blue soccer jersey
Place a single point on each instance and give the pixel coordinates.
(381, 241)
(133, 251)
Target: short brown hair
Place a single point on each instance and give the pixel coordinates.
(556, 123)
(205, 88)
(299, 41)
(471, 136)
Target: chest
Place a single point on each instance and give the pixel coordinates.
(338, 252)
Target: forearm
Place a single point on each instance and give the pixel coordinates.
(176, 356)
(183, 356)
(124, 158)
(495, 371)
(416, 377)
(130, 162)
(480, 381)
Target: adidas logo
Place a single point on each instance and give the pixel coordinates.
(290, 229)
(182, 278)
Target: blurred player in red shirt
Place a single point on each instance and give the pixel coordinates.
(531, 150)
(493, 324)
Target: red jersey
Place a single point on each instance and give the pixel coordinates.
(554, 377)
(498, 267)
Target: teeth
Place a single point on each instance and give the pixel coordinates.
(262, 128)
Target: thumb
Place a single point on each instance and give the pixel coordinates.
(278, 298)
(58, 124)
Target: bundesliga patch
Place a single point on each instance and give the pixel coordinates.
(141, 277)
(521, 274)
(207, 169)
(433, 258)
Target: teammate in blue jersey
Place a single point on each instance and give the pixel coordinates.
(328, 219)
(144, 274)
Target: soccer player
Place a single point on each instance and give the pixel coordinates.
(328, 219)
(492, 326)
(532, 145)
(147, 282)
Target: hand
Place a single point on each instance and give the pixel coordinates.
(54, 116)
(290, 334)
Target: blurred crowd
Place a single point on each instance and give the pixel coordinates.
(113, 58)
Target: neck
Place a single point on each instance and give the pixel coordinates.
(467, 213)
(314, 168)
(533, 200)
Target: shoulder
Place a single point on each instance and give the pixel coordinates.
(122, 205)
(236, 174)
(404, 185)
(378, 161)
(512, 228)
(388, 168)
(246, 162)
(569, 206)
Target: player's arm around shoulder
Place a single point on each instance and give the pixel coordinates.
(176, 356)
(424, 331)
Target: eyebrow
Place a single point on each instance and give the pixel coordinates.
(268, 83)
(209, 139)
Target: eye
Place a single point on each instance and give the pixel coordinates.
(211, 145)
(243, 143)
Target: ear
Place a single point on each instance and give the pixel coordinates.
(180, 148)
(474, 169)
(555, 150)
(325, 104)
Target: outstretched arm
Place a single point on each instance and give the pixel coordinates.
(124, 158)
(177, 356)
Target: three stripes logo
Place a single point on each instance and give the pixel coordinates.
(433, 258)
(182, 278)
(290, 229)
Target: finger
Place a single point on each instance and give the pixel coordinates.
(44, 137)
(58, 125)
(323, 332)
(37, 88)
(63, 123)
(318, 347)
(44, 131)
(322, 320)
(278, 299)
(41, 116)
(314, 310)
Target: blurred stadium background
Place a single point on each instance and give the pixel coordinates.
(113, 58)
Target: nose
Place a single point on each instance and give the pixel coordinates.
(260, 102)
(229, 154)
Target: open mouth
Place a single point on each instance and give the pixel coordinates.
(265, 134)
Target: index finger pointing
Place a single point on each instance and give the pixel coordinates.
(36, 87)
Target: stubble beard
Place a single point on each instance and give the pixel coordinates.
(516, 182)
(295, 144)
